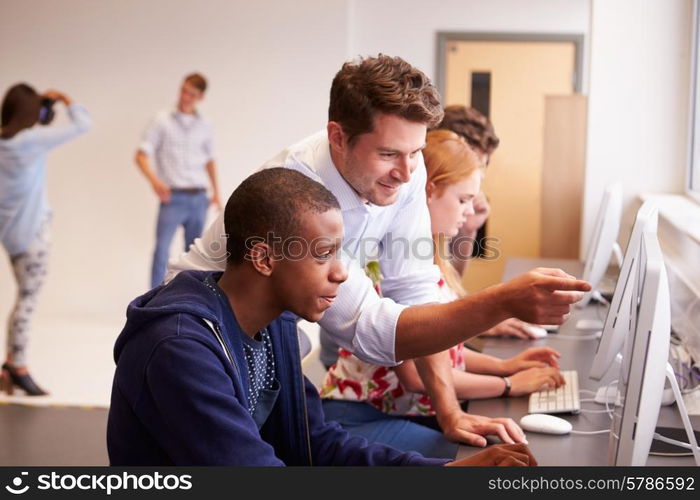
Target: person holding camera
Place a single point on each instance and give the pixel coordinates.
(180, 141)
(24, 212)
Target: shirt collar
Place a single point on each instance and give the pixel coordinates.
(176, 113)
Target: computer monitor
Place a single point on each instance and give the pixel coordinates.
(604, 239)
(616, 325)
(644, 357)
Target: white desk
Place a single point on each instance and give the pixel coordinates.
(578, 355)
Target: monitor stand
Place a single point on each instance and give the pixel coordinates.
(671, 377)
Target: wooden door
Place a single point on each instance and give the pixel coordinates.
(521, 74)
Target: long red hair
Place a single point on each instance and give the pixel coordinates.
(448, 159)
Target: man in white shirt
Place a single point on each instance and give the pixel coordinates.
(181, 142)
(370, 158)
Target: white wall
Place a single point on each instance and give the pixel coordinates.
(407, 28)
(638, 103)
(269, 62)
(635, 73)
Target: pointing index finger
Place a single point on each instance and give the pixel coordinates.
(566, 284)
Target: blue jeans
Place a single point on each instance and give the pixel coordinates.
(184, 209)
(363, 419)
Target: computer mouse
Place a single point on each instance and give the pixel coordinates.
(536, 331)
(546, 424)
(668, 398)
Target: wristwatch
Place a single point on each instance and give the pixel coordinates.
(506, 391)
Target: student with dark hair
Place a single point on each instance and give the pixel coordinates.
(180, 141)
(473, 127)
(24, 211)
(369, 157)
(208, 366)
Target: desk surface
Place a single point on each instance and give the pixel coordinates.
(571, 449)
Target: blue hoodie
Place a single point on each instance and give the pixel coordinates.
(177, 399)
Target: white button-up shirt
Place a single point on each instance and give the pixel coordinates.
(182, 146)
(398, 236)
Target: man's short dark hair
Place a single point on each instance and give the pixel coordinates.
(271, 203)
(471, 124)
(382, 84)
(198, 81)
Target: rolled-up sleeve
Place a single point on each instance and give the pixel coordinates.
(208, 143)
(152, 137)
(53, 136)
(361, 321)
(80, 118)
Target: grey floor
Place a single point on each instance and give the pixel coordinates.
(52, 435)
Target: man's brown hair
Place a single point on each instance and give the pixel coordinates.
(381, 84)
(197, 81)
(471, 124)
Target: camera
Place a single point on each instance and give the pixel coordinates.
(46, 112)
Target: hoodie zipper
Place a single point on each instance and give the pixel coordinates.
(284, 347)
(220, 338)
(306, 414)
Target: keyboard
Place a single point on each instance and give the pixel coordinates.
(561, 400)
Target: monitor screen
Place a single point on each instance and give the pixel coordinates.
(604, 239)
(616, 326)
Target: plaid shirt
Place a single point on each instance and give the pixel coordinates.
(182, 147)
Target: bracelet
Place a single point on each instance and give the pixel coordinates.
(506, 391)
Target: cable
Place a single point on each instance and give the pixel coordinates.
(693, 373)
(604, 431)
(607, 410)
(607, 406)
(690, 391)
(590, 336)
(602, 316)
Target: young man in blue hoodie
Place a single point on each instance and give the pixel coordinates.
(208, 366)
